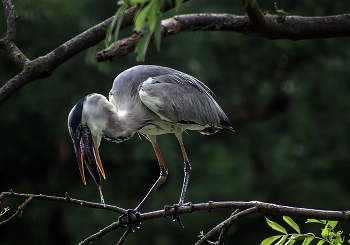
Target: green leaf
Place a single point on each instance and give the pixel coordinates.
(4, 211)
(270, 240)
(136, 2)
(141, 47)
(291, 222)
(321, 242)
(178, 4)
(157, 32)
(141, 16)
(308, 240)
(325, 233)
(282, 240)
(299, 237)
(315, 221)
(153, 13)
(118, 18)
(333, 223)
(290, 242)
(276, 226)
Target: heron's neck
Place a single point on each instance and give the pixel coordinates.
(119, 127)
(105, 120)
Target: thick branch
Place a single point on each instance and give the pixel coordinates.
(257, 19)
(10, 19)
(273, 27)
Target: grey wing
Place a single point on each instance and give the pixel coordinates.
(180, 98)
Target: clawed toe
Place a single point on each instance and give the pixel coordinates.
(176, 214)
(130, 222)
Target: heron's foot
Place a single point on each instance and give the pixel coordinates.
(176, 214)
(130, 220)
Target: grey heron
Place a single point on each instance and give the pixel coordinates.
(150, 100)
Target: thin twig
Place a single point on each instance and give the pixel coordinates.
(66, 199)
(19, 211)
(225, 229)
(123, 238)
(101, 233)
(226, 223)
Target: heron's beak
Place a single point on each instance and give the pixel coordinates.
(86, 152)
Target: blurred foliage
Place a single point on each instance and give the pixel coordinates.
(289, 103)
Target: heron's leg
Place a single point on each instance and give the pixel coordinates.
(187, 173)
(162, 177)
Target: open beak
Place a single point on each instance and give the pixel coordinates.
(87, 152)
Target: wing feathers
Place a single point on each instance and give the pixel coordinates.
(180, 97)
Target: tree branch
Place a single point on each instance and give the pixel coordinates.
(67, 199)
(272, 27)
(8, 43)
(246, 207)
(227, 223)
(18, 213)
(43, 67)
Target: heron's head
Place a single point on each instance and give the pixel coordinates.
(86, 138)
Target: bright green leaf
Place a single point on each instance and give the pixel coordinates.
(315, 221)
(270, 240)
(308, 240)
(153, 13)
(282, 240)
(290, 242)
(291, 222)
(321, 242)
(276, 226)
(4, 211)
(299, 237)
(141, 16)
(325, 233)
(333, 223)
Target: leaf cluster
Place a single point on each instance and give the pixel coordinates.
(328, 234)
(148, 17)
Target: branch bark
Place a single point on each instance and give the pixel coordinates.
(255, 24)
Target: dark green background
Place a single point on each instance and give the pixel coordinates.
(288, 101)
